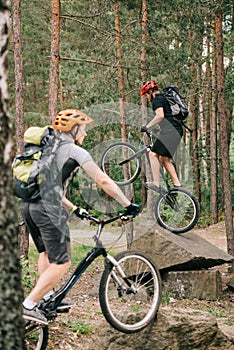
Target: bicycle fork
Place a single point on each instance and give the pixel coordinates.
(121, 286)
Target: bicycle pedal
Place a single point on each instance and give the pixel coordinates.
(63, 311)
(51, 315)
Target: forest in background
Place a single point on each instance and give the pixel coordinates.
(189, 44)
(161, 40)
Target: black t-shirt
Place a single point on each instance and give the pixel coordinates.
(160, 101)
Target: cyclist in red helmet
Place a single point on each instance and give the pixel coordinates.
(168, 139)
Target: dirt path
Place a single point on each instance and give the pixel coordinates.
(78, 329)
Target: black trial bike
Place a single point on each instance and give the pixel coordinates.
(176, 209)
(129, 292)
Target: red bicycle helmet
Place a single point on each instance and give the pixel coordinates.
(65, 120)
(147, 86)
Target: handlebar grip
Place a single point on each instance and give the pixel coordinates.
(124, 217)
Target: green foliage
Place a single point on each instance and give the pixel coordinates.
(29, 274)
(216, 312)
(176, 32)
(78, 253)
(165, 300)
(78, 327)
(84, 83)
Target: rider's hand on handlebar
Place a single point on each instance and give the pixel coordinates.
(133, 210)
(143, 128)
(80, 212)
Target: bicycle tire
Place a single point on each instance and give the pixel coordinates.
(126, 311)
(122, 174)
(35, 336)
(177, 211)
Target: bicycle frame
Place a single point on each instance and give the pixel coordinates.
(146, 149)
(51, 305)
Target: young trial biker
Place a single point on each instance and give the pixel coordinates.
(168, 139)
(47, 221)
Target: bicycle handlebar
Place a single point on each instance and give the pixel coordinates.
(106, 221)
(154, 129)
(98, 221)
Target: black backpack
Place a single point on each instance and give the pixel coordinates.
(179, 109)
(35, 171)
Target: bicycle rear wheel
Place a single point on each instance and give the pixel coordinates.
(177, 211)
(130, 303)
(35, 336)
(110, 163)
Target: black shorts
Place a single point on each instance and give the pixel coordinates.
(168, 142)
(48, 227)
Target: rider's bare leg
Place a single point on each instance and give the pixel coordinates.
(155, 167)
(48, 280)
(170, 169)
(43, 262)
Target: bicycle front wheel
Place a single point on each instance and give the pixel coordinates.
(113, 156)
(35, 336)
(130, 295)
(177, 211)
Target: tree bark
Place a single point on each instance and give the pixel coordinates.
(223, 137)
(19, 100)
(146, 169)
(129, 189)
(54, 59)
(194, 137)
(213, 144)
(19, 80)
(11, 325)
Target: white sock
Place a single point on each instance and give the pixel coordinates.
(48, 295)
(29, 304)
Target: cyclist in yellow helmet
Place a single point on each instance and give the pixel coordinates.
(47, 222)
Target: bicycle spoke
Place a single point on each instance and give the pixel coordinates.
(36, 336)
(177, 211)
(130, 309)
(112, 158)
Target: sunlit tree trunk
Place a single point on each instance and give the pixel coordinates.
(19, 100)
(194, 137)
(54, 59)
(223, 137)
(201, 97)
(147, 174)
(129, 190)
(11, 324)
(213, 143)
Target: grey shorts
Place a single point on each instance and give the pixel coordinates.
(48, 227)
(168, 142)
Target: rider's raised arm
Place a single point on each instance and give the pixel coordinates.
(103, 180)
(159, 115)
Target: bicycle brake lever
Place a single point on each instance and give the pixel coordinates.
(124, 218)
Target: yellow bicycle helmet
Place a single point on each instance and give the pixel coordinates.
(65, 120)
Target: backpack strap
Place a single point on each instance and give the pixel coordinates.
(186, 126)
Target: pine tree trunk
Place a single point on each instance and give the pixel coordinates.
(194, 138)
(213, 145)
(19, 100)
(54, 59)
(202, 126)
(146, 169)
(223, 137)
(129, 189)
(11, 324)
